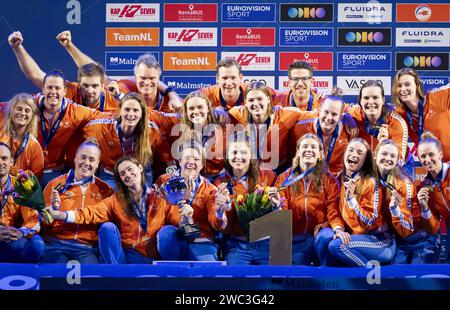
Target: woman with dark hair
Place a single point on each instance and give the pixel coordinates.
(242, 174)
(207, 212)
(376, 119)
(129, 134)
(312, 194)
(68, 192)
(421, 111)
(363, 236)
(414, 244)
(19, 131)
(434, 193)
(136, 213)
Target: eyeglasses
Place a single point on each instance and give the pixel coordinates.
(296, 79)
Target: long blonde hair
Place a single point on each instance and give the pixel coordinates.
(143, 152)
(395, 173)
(317, 174)
(9, 126)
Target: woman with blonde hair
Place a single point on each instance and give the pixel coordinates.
(312, 194)
(19, 132)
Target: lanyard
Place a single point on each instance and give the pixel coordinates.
(238, 102)
(333, 140)
(47, 137)
(310, 102)
(102, 102)
(420, 120)
(372, 131)
(254, 134)
(158, 105)
(291, 179)
(122, 144)
(22, 146)
(71, 181)
(141, 209)
(5, 197)
(194, 191)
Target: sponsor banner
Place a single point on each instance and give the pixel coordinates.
(190, 12)
(195, 61)
(184, 85)
(306, 12)
(364, 36)
(350, 85)
(132, 12)
(320, 61)
(430, 12)
(366, 61)
(253, 61)
(311, 36)
(190, 36)
(132, 36)
(266, 80)
(124, 61)
(369, 12)
(120, 77)
(323, 84)
(248, 12)
(422, 37)
(422, 61)
(248, 36)
(431, 82)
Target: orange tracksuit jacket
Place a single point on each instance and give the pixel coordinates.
(284, 118)
(311, 207)
(336, 163)
(72, 200)
(204, 206)
(363, 214)
(112, 209)
(439, 201)
(19, 217)
(127, 86)
(284, 99)
(266, 178)
(76, 116)
(406, 219)
(105, 132)
(31, 158)
(397, 130)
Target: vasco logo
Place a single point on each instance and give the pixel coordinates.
(423, 12)
(306, 12)
(364, 36)
(423, 61)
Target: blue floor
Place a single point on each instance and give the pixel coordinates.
(198, 276)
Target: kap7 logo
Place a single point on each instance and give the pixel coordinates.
(422, 61)
(306, 12)
(132, 12)
(364, 36)
(190, 36)
(254, 61)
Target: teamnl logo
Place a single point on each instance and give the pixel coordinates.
(190, 36)
(423, 61)
(306, 12)
(364, 36)
(254, 61)
(132, 12)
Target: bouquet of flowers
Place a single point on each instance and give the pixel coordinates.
(252, 206)
(28, 192)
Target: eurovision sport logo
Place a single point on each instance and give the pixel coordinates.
(431, 82)
(364, 36)
(132, 12)
(422, 61)
(253, 61)
(306, 12)
(248, 12)
(307, 36)
(365, 61)
(124, 61)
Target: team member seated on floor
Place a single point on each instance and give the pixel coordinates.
(312, 197)
(19, 242)
(242, 174)
(365, 236)
(135, 214)
(208, 211)
(76, 189)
